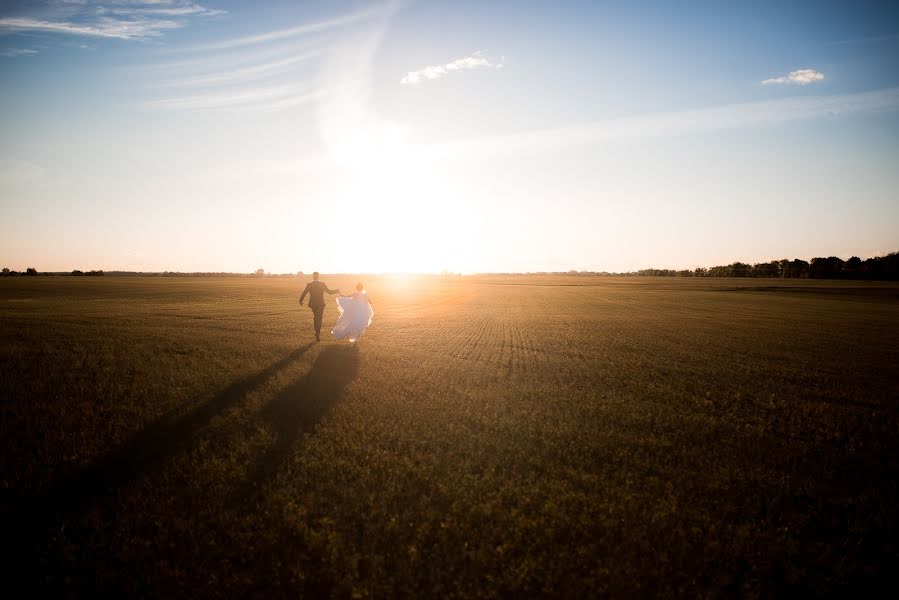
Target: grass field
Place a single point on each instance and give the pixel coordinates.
(487, 437)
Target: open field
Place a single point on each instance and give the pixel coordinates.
(568, 436)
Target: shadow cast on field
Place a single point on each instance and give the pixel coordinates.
(299, 407)
(161, 440)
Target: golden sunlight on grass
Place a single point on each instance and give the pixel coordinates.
(488, 437)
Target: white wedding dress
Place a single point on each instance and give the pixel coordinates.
(355, 316)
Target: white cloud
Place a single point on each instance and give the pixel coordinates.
(473, 61)
(799, 77)
(14, 52)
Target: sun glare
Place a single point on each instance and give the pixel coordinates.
(407, 212)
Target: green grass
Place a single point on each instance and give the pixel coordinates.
(567, 436)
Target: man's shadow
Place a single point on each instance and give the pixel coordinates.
(149, 448)
(299, 407)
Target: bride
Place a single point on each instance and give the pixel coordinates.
(355, 314)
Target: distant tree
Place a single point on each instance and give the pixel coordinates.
(31, 271)
(891, 266)
(76, 272)
(881, 267)
(769, 269)
(825, 268)
(260, 272)
(873, 268)
(792, 269)
(739, 269)
(6, 270)
(700, 272)
(657, 273)
(783, 267)
(852, 268)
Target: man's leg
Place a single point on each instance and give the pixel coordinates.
(317, 314)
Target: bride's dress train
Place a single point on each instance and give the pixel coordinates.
(355, 316)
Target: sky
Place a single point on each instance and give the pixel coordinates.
(403, 136)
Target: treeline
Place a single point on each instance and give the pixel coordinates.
(877, 268)
(880, 267)
(32, 272)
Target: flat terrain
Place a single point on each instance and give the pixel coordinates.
(568, 436)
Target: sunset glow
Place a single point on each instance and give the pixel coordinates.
(411, 137)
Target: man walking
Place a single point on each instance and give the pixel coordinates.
(316, 290)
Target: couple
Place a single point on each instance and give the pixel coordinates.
(355, 310)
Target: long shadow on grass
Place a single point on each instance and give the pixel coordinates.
(299, 407)
(150, 447)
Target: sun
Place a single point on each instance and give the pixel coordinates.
(403, 206)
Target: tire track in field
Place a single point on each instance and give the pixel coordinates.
(487, 342)
(481, 348)
(523, 357)
(525, 354)
(503, 347)
(472, 331)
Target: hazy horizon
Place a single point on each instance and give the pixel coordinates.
(444, 272)
(355, 137)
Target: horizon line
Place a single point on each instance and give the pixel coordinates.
(443, 272)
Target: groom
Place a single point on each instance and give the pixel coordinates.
(316, 290)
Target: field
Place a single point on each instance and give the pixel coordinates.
(487, 437)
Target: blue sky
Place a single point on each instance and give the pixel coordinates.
(469, 136)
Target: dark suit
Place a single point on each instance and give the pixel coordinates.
(316, 291)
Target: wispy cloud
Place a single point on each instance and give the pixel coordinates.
(288, 101)
(164, 9)
(14, 52)
(473, 61)
(866, 40)
(123, 19)
(798, 77)
(704, 120)
(250, 97)
(14, 169)
(291, 32)
(104, 27)
(269, 70)
(774, 113)
(249, 73)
